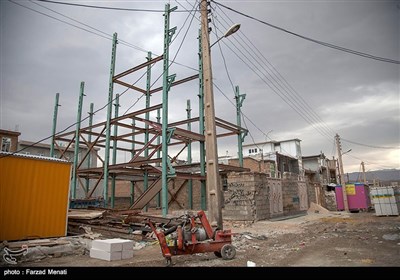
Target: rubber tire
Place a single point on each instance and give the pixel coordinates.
(228, 252)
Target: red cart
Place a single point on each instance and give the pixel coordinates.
(193, 235)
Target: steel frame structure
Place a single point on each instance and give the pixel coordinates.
(146, 156)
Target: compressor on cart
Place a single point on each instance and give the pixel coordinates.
(193, 235)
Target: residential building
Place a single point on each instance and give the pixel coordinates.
(42, 149)
(286, 156)
(9, 140)
(320, 169)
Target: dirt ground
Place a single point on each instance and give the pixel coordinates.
(328, 239)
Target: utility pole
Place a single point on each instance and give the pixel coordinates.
(239, 102)
(363, 170)
(54, 125)
(213, 179)
(342, 181)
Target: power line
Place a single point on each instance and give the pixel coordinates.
(282, 81)
(173, 60)
(104, 7)
(44, 14)
(276, 86)
(120, 95)
(371, 146)
(288, 89)
(107, 36)
(369, 162)
(366, 55)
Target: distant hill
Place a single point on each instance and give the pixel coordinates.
(385, 175)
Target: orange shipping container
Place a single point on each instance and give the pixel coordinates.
(34, 196)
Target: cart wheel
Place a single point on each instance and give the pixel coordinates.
(218, 254)
(168, 262)
(228, 252)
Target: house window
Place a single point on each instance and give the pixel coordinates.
(253, 151)
(5, 144)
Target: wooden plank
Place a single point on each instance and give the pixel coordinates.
(83, 214)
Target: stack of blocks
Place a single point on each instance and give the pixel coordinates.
(112, 249)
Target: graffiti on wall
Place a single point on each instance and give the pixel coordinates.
(238, 196)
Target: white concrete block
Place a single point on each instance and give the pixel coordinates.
(109, 245)
(126, 244)
(104, 255)
(127, 254)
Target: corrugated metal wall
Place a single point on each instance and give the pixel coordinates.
(34, 196)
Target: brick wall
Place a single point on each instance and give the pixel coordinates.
(255, 165)
(252, 196)
(294, 202)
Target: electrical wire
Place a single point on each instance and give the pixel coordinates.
(281, 91)
(310, 112)
(362, 54)
(60, 20)
(233, 88)
(180, 46)
(173, 60)
(104, 7)
(120, 95)
(369, 162)
(276, 75)
(371, 146)
(106, 35)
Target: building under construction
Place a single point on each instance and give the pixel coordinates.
(151, 141)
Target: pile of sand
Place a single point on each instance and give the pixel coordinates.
(315, 208)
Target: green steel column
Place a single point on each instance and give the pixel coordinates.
(76, 150)
(89, 158)
(189, 156)
(158, 156)
(114, 158)
(56, 105)
(108, 122)
(132, 154)
(146, 134)
(203, 190)
(239, 102)
(167, 80)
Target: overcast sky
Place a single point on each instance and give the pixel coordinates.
(317, 91)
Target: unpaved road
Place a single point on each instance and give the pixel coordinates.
(330, 240)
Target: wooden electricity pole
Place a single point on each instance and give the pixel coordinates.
(214, 194)
(363, 170)
(341, 170)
